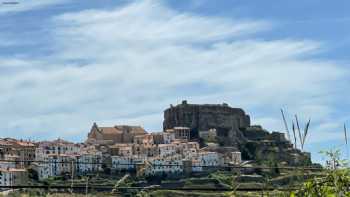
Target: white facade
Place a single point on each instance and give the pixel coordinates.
(10, 177)
(89, 162)
(6, 178)
(126, 162)
(205, 159)
(55, 165)
(208, 158)
(163, 165)
(56, 147)
(7, 165)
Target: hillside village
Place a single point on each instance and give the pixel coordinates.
(195, 138)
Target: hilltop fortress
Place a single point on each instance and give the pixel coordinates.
(231, 129)
(227, 121)
(216, 128)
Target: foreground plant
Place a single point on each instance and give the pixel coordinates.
(335, 182)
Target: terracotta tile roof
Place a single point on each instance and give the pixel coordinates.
(24, 143)
(109, 130)
(4, 143)
(131, 129)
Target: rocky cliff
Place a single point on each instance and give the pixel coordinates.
(234, 130)
(228, 122)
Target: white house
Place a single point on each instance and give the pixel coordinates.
(12, 176)
(208, 158)
(57, 147)
(55, 165)
(161, 165)
(7, 165)
(89, 162)
(126, 162)
(205, 159)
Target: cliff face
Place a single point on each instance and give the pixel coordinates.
(227, 121)
(234, 131)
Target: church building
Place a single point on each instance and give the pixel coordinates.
(113, 135)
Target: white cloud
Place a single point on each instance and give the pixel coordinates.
(132, 61)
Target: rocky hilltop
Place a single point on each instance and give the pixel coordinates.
(227, 121)
(233, 129)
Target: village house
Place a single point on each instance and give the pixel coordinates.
(61, 164)
(182, 146)
(5, 148)
(12, 177)
(166, 150)
(126, 162)
(146, 139)
(121, 149)
(56, 147)
(145, 150)
(163, 137)
(89, 162)
(208, 158)
(190, 153)
(55, 165)
(192, 145)
(19, 150)
(204, 160)
(7, 164)
(180, 132)
(164, 165)
(59, 157)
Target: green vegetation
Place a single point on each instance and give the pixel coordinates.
(335, 182)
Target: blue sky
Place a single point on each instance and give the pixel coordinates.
(65, 64)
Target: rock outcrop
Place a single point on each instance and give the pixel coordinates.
(235, 132)
(228, 122)
(268, 148)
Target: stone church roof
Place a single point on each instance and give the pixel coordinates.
(109, 130)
